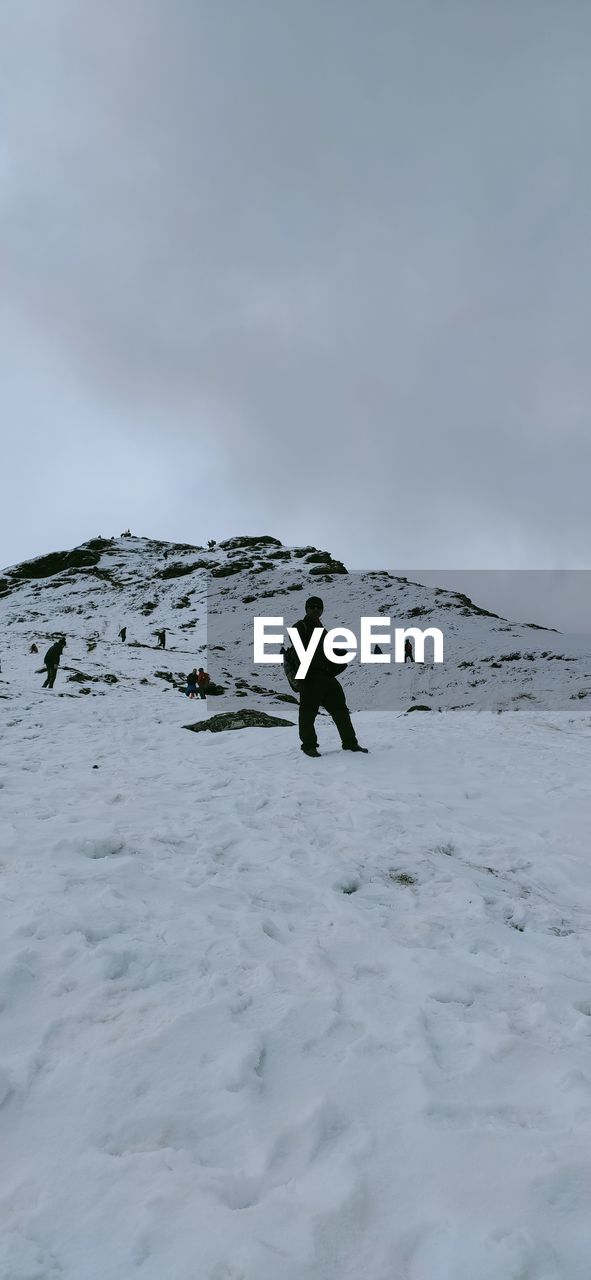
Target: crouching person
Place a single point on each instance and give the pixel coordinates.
(52, 661)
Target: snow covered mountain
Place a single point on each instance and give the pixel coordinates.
(270, 1018)
(206, 599)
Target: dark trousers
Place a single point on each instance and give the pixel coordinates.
(51, 674)
(328, 693)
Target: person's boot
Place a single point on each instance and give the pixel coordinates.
(310, 751)
(356, 747)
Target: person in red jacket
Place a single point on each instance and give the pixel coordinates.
(203, 681)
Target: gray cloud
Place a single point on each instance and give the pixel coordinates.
(321, 267)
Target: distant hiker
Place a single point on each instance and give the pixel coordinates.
(161, 638)
(123, 634)
(52, 661)
(191, 690)
(203, 681)
(33, 649)
(320, 688)
(408, 653)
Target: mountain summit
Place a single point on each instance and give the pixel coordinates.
(205, 599)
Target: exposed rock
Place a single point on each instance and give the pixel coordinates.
(330, 567)
(178, 680)
(245, 719)
(79, 677)
(56, 562)
(178, 570)
(237, 566)
(98, 544)
(263, 541)
(470, 607)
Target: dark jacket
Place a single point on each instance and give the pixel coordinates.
(53, 655)
(320, 667)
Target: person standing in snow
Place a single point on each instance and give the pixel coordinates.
(203, 681)
(52, 661)
(161, 638)
(123, 634)
(191, 690)
(408, 653)
(320, 688)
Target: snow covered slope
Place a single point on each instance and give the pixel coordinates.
(271, 1018)
(93, 590)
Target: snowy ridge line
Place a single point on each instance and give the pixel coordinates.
(210, 594)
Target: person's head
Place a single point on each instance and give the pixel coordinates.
(62, 642)
(200, 670)
(314, 607)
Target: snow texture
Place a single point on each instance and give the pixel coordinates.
(269, 1017)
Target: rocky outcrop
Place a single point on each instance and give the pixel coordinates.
(244, 719)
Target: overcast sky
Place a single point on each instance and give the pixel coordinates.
(314, 268)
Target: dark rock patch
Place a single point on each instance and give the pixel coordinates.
(237, 566)
(245, 719)
(56, 562)
(179, 570)
(329, 567)
(232, 544)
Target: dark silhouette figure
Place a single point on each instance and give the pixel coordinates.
(52, 661)
(320, 688)
(123, 634)
(408, 653)
(161, 638)
(191, 690)
(203, 681)
(33, 649)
